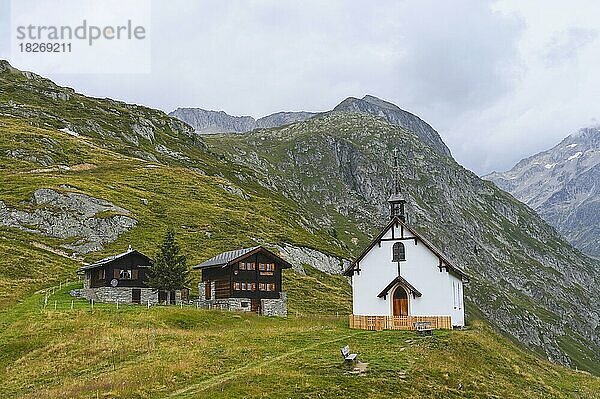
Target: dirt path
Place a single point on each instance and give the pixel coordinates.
(192, 390)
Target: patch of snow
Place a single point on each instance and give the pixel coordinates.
(572, 145)
(549, 165)
(577, 155)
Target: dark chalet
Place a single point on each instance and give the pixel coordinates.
(246, 279)
(122, 279)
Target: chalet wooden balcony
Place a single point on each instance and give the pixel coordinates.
(378, 323)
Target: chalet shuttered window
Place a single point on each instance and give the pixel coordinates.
(241, 286)
(247, 266)
(125, 274)
(266, 267)
(398, 252)
(266, 287)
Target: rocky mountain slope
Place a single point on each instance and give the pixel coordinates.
(396, 116)
(562, 184)
(207, 122)
(319, 184)
(528, 281)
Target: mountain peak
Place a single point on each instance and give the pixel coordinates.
(563, 185)
(396, 116)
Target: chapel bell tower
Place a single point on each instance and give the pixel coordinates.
(396, 200)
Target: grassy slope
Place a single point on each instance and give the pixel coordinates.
(133, 352)
(208, 219)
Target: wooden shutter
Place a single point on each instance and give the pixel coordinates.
(116, 273)
(134, 274)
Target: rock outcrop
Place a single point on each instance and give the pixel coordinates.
(89, 221)
(299, 256)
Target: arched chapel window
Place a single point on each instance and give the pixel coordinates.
(398, 252)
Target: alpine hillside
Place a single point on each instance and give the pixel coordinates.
(562, 185)
(526, 279)
(82, 178)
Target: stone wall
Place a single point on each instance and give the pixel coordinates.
(87, 282)
(275, 307)
(202, 290)
(122, 295)
(233, 304)
(269, 307)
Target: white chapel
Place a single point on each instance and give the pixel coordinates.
(401, 274)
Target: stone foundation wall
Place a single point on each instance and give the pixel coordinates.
(114, 294)
(87, 282)
(233, 304)
(269, 307)
(202, 290)
(275, 307)
(121, 294)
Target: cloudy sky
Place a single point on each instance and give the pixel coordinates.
(500, 80)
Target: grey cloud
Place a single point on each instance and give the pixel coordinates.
(457, 64)
(458, 54)
(565, 46)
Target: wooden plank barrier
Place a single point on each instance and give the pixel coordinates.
(378, 323)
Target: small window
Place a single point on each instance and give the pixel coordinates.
(236, 286)
(101, 274)
(125, 274)
(398, 252)
(267, 286)
(247, 266)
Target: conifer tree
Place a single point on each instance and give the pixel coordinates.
(169, 272)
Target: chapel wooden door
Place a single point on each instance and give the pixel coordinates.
(400, 302)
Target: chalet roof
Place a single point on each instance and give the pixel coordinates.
(446, 262)
(231, 257)
(109, 259)
(403, 283)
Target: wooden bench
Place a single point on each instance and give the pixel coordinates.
(423, 328)
(348, 357)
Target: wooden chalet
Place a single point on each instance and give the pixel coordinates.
(246, 279)
(122, 278)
